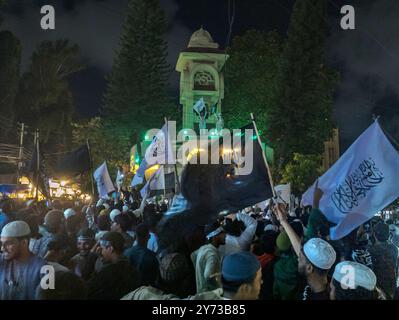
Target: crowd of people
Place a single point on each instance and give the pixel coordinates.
(109, 250)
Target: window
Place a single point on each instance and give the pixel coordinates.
(204, 80)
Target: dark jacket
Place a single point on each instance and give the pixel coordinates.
(113, 281)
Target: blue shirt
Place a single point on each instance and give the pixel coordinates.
(19, 281)
(145, 261)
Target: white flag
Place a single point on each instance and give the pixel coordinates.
(361, 183)
(199, 106)
(103, 180)
(160, 151)
(156, 182)
(119, 178)
(283, 193)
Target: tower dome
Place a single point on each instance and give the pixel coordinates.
(202, 39)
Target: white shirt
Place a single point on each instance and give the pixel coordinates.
(243, 242)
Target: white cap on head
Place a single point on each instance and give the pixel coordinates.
(362, 276)
(125, 208)
(15, 229)
(106, 205)
(320, 253)
(114, 213)
(69, 213)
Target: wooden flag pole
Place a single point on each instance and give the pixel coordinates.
(91, 168)
(263, 155)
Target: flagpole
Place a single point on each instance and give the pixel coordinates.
(166, 147)
(263, 154)
(91, 167)
(37, 165)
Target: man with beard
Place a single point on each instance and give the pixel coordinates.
(19, 268)
(315, 259)
(82, 264)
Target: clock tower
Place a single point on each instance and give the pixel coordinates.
(201, 76)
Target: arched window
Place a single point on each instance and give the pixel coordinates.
(204, 80)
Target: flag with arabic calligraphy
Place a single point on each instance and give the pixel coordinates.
(360, 184)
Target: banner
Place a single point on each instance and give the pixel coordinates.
(160, 151)
(75, 162)
(103, 180)
(360, 184)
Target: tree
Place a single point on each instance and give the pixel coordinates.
(301, 172)
(102, 146)
(301, 120)
(136, 99)
(44, 100)
(250, 78)
(10, 59)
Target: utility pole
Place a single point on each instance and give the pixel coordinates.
(21, 146)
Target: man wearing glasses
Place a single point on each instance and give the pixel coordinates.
(19, 268)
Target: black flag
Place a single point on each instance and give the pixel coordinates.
(74, 162)
(255, 187)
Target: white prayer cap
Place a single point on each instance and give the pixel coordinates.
(69, 213)
(125, 208)
(15, 229)
(353, 274)
(106, 205)
(320, 253)
(114, 213)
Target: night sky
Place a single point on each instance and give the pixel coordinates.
(367, 58)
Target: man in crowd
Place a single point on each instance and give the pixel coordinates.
(82, 264)
(117, 277)
(315, 259)
(54, 223)
(242, 241)
(121, 224)
(384, 257)
(207, 259)
(6, 212)
(20, 270)
(353, 281)
(143, 259)
(241, 276)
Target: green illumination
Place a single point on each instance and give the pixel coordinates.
(146, 137)
(185, 131)
(137, 160)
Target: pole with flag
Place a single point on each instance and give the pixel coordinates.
(263, 155)
(360, 184)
